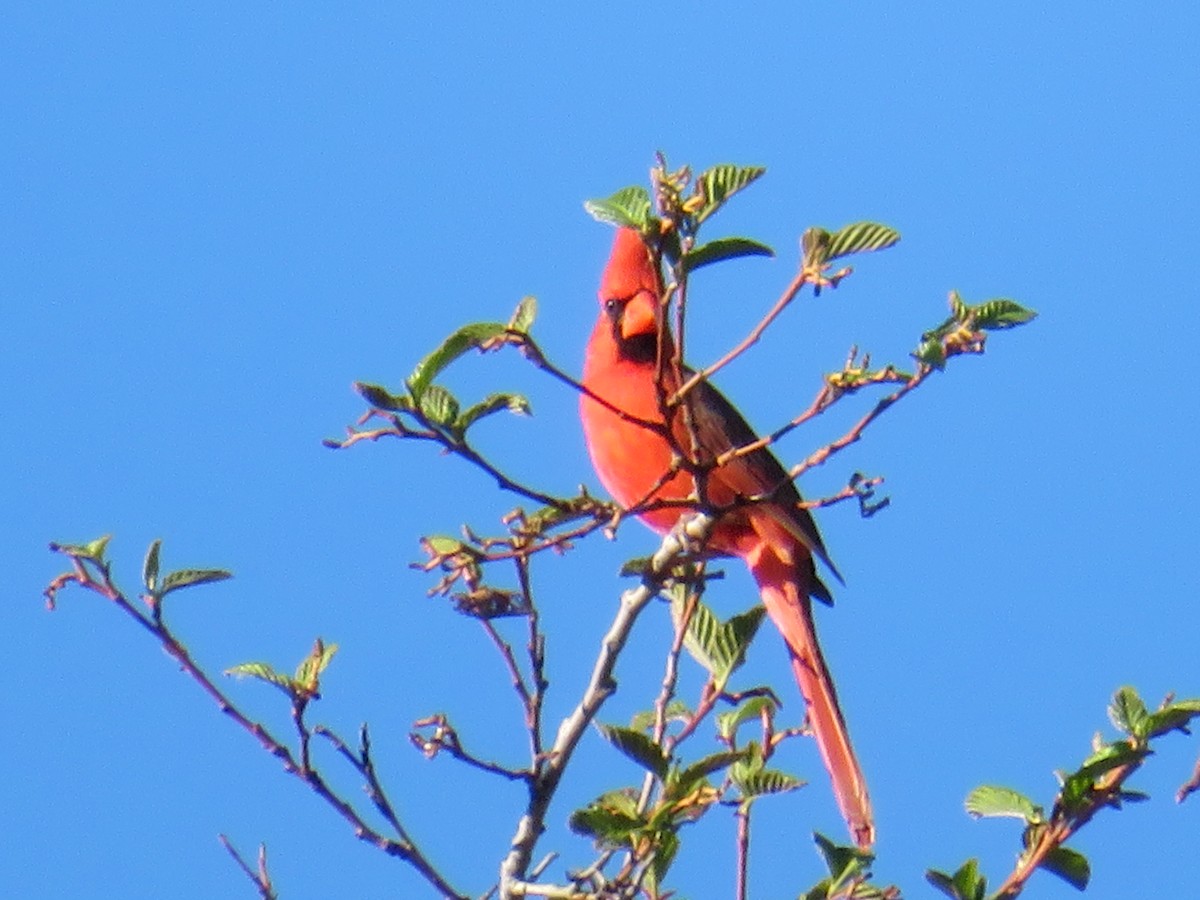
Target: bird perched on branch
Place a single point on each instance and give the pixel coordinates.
(646, 448)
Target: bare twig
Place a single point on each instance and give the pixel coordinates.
(749, 341)
(156, 626)
(259, 875)
(445, 738)
(600, 687)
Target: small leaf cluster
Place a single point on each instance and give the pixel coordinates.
(158, 588)
(849, 875)
(304, 685)
(646, 823)
(965, 330)
(681, 204)
(433, 405)
(1098, 783)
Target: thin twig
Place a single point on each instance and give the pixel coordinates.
(445, 737)
(260, 877)
(749, 341)
(742, 816)
(600, 687)
(403, 850)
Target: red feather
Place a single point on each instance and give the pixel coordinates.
(777, 539)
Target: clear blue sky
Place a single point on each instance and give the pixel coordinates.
(213, 220)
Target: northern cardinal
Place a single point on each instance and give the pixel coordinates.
(776, 538)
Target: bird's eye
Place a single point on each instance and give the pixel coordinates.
(612, 306)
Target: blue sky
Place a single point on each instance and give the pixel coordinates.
(214, 220)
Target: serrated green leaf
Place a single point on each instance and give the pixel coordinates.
(838, 859)
(942, 882)
(381, 398)
(493, 403)
(262, 672)
(860, 237)
(1177, 715)
(723, 249)
(1109, 757)
(442, 545)
(439, 406)
(685, 780)
(998, 314)
(636, 745)
(466, 338)
(932, 353)
(762, 782)
(993, 800)
(609, 819)
(150, 565)
(523, 315)
(666, 846)
(627, 208)
(965, 884)
(959, 311)
(604, 825)
(720, 647)
(184, 578)
(1128, 713)
(676, 711)
(1069, 865)
(814, 247)
(92, 550)
(752, 709)
(969, 881)
(308, 673)
(718, 184)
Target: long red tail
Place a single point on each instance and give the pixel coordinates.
(787, 602)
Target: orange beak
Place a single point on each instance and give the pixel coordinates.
(640, 315)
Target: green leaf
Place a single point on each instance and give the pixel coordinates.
(263, 672)
(942, 882)
(720, 647)
(666, 845)
(841, 860)
(523, 316)
(996, 315)
(761, 782)
(932, 353)
(150, 566)
(728, 723)
(965, 884)
(609, 819)
(723, 249)
(184, 578)
(1069, 865)
(814, 246)
(1109, 757)
(969, 881)
(466, 338)
(959, 311)
(638, 746)
(380, 398)
(1174, 716)
(439, 406)
(993, 800)
(493, 403)
(676, 711)
(718, 184)
(92, 550)
(308, 673)
(685, 780)
(861, 237)
(627, 208)
(1128, 713)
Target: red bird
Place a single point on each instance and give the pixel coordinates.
(776, 538)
